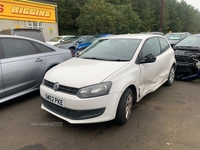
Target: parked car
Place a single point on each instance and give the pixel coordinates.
(175, 37)
(69, 40)
(187, 54)
(154, 32)
(26, 32)
(80, 47)
(23, 63)
(103, 81)
(59, 39)
(78, 40)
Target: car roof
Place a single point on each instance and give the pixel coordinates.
(178, 33)
(103, 35)
(20, 37)
(65, 35)
(17, 29)
(196, 35)
(136, 36)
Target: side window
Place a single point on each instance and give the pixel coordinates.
(163, 44)
(151, 46)
(89, 38)
(65, 39)
(17, 47)
(184, 35)
(83, 39)
(42, 48)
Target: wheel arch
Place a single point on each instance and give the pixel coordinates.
(48, 68)
(134, 90)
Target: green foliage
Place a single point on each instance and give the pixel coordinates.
(132, 18)
(125, 16)
(99, 16)
(68, 11)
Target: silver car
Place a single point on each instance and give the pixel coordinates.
(23, 63)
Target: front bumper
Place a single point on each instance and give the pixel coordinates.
(73, 114)
(187, 72)
(76, 110)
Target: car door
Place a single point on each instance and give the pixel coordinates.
(151, 73)
(2, 92)
(167, 53)
(22, 66)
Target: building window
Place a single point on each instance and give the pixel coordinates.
(35, 25)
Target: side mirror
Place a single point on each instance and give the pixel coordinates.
(148, 59)
(76, 54)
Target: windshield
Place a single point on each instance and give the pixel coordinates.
(111, 49)
(71, 39)
(190, 41)
(56, 39)
(92, 40)
(173, 36)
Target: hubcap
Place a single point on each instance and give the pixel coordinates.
(129, 102)
(171, 75)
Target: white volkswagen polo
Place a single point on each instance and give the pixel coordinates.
(102, 82)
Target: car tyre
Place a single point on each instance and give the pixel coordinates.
(124, 107)
(171, 76)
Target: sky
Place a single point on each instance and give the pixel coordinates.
(194, 3)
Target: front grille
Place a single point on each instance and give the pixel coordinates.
(62, 88)
(181, 58)
(73, 114)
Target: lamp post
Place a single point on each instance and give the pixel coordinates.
(161, 17)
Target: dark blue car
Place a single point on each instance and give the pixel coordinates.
(82, 46)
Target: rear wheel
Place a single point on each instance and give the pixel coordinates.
(125, 107)
(171, 77)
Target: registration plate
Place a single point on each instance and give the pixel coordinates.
(54, 100)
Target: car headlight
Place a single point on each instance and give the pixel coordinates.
(95, 90)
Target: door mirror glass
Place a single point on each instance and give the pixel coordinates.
(148, 59)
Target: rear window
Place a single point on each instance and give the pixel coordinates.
(29, 33)
(22, 33)
(42, 48)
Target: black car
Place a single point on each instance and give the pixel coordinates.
(175, 37)
(187, 54)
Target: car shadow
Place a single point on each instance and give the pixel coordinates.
(20, 99)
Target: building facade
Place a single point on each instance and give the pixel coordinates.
(29, 14)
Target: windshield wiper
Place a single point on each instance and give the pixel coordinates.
(118, 60)
(104, 59)
(93, 58)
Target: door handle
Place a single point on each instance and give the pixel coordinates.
(38, 60)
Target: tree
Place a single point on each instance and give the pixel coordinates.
(99, 16)
(146, 12)
(125, 16)
(68, 11)
(134, 22)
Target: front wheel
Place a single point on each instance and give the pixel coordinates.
(171, 77)
(124, 107)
